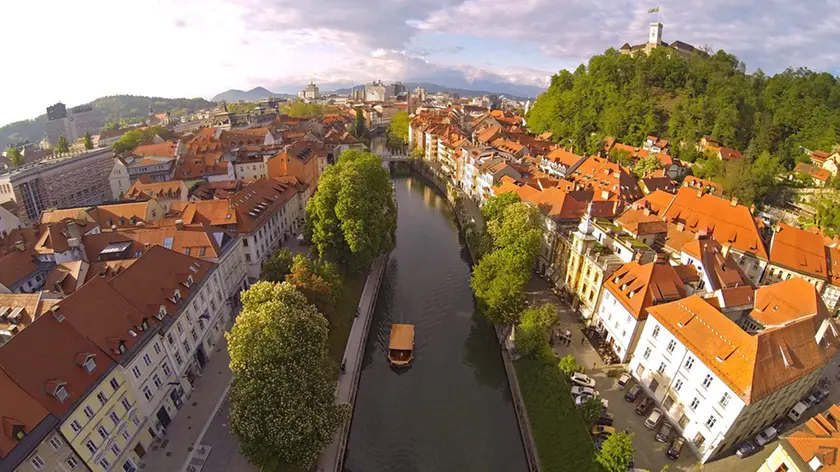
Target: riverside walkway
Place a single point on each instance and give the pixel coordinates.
(332, 458)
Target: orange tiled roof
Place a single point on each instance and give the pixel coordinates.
(256, 203)
(727, 222)
(33, 307)
(799, 250)
(166, 149)
(68, 276)
(640, 286)
(722, 270)
(18, 411)
(782, 302)
(818, 439)
(563, 157)
(701, 184)
(816, 173)
(756, 365)
(607, 180)
(145, 191)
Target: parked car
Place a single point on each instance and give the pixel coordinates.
(633, 393)
(746, 449)
(813, 399)
(644, 406)
(577, 390)
(779, 424)
(581, 399)
(622, 381)
(599, 442)
(653, 419)
(766, 436)
(821, 394)
(606, 419)
(605, 431)
(664, 433)
(675, 448)
(796, 412)
(582, 379)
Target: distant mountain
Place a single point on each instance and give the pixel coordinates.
(112, 109)
(257, 93)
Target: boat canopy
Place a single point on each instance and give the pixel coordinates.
(402, 337)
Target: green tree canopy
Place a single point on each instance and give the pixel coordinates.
(300, 108)
(532, 331)
(568, 365)
(282, 402)
(359, 124)
(352, 217)
(136, 137)
(277, 266)
(591, 409)
(645, 166)
(495, 206)
(398, 130)
(616, 453)
(14, 155)
(88, 141)
(318, 281)
(683, 98)
(62, 145)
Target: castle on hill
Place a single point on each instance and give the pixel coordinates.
(655, 40)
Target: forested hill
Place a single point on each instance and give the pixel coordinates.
(114, 109)
(682, 99)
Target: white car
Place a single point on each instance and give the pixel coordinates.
(580, 400)
(582, 379)
(585, 391)
(766, 436)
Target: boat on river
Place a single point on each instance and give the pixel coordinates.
(401, 346)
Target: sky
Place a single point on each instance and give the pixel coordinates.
(74, 52)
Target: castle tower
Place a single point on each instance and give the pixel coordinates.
(655, 33)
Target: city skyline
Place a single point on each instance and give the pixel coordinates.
(281, 45)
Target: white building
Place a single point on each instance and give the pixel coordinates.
(719, 383)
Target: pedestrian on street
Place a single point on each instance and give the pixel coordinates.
(594, 364)
(582, 339)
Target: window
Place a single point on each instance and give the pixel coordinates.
(683, 421)
(61, 393)
(129, 466)
(114, 383)
(640, 369)
(89, 412)
(194, 336)
(678, 385)
(55, 443)
(646, 355)
(689, 363)
(166, 369)
(707, 381)
(694, 403)
(115, 418)
(147, 393)
(136, 421)
(125, 435)
(247, 257)
(72, 462)
(178, 358)
(180, 329)
(157, 381)
(655, 332)
(170, 339)
(724, 400)
(671, 345)
(661, 367)
(125, 403)
(668, 403)
(157, 348)
(91, 446)
(102, 432)
(147, 360)
(102, 398)
(37, 462)
(75, 426)
(115, 448)
(136, 371)
(710, 423)
(104, 463)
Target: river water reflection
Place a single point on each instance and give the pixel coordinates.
(451, 411)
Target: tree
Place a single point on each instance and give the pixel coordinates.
(616, 453)
(592, 409)
(88, 141)
(359, 124)
(621, 156)
(496, 205)
(352, 217)
(136, 137)
(520, 226)
(646, 165)
(62, 145)
(398, 130)
(532, 331)
(282, 401)
(498, 282)
(277, 267)
(568, 365)
(14, 155)
(318, 281)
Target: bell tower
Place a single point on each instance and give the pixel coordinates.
(655, 33)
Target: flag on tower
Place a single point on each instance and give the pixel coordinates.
(654, 10)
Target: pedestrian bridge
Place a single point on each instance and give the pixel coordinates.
(388, 157)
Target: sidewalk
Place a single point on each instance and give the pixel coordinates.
(175, 447)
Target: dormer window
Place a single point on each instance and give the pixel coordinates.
(188, 283)
(60, 393)
(89, 364)
(132, 333)
(18, 432)
(144, 326)
(161, 313)
(176, 297)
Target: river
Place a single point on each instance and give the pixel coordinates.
(451, 410)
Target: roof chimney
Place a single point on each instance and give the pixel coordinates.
(661, 258)
(700, 193)
(637, 257)
(724, 250)
(19, 245)
(680, 227)
(179, 224)
(734, 201)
